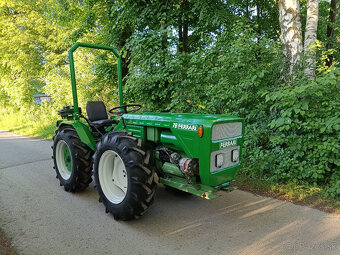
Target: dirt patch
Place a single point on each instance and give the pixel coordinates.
(5, 246)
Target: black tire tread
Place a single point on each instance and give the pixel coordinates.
(82, 160)
(141, 181)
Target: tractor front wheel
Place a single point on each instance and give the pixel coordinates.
(72, 160)
(125, 184)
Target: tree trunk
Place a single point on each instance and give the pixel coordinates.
(247, 9)
(164, 40)
(310, 37)
(258, 14)
(185, 36)
(124, 35)
(183, 27)
(180, 33)
(164, 46)
(290, 24)
(125, 65)
(330, 31)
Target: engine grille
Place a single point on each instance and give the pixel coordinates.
(226, 130)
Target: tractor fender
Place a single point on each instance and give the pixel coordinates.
(82, 130)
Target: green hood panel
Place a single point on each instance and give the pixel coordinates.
(166, 120)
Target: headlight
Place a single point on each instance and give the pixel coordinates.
(235, 155)
(219, 160)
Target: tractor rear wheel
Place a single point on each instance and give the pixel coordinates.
(72, 160)
(125, 184)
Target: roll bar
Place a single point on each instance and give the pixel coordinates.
(73, 76)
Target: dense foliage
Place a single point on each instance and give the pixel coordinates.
(205, 56)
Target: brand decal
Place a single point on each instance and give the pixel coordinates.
(184, 126)
(227, 144)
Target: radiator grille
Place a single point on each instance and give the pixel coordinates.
(226, 130)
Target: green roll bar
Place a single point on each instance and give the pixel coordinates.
(73, 76)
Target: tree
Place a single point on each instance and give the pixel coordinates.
(330, 31)
(310, 37)
(290, 23)
(23, 36)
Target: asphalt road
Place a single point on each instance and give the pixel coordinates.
(41, 218)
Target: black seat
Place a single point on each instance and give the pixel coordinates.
(96, 112)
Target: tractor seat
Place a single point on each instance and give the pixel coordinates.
(96, 112)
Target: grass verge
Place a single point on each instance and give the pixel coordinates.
(38, 121)
(314, 197)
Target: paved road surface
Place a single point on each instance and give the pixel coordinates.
(41, 218)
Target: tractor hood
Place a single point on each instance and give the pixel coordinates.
(198, 136)
(184, 120)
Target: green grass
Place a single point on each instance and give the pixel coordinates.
(299, 194)
(39, 122)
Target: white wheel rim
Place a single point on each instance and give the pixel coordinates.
(112, 176)
(60, 159)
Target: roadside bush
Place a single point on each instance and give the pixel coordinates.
(305, 132)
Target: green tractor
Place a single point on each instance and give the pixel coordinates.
(129, 153)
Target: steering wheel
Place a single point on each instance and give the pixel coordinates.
(125, 106)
